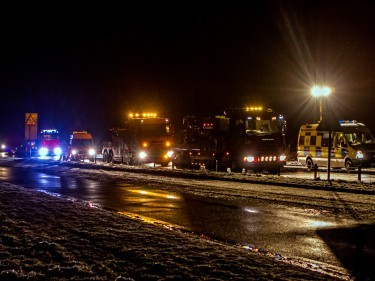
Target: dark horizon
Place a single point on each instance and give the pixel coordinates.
(85, 70)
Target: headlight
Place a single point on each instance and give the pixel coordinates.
(359, 154)
(170, 153)
(74, 152)
(43, 151)
(249, 159)
(282, 157)
(91, 151)
(57, 151)
(142, 155)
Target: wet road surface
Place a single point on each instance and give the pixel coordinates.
(292, 232)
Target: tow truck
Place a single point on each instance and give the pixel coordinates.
(250, 138)
(144, 138)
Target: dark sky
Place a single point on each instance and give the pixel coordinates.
(85, 68)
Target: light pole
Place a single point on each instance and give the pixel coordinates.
(321, 93)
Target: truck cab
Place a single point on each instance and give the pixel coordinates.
(49, 143)
(249, 138)
(81, 146)
(144, 138)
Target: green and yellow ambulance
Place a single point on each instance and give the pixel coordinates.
(352, 146)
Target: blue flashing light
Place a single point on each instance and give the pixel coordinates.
(50, 131)
(347, 121)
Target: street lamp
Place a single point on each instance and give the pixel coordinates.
(320, 92)
(323, 93)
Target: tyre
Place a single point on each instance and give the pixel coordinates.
(257, 170)
(235, 167)
(105, 157)
(164, 164)
(274, 171)
(309, 164)
(348, 165)
(110, 157)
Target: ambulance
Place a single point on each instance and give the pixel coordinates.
(352, 146)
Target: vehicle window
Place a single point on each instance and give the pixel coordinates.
(359, 138)
(313, 140)
(263, 126)
(301, 140)
(82, 142)
(325, 139)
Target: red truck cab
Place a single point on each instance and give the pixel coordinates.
(49, 143)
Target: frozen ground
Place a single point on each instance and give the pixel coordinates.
(45, 237)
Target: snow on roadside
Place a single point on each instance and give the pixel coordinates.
(45, 237)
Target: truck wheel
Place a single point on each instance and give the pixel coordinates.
(309, 164)
(110, 157)
(257, 170)
(274, 171)
(348, 165)
(235, 167)
(164, 164)
(105, 157)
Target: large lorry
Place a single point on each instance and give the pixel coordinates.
(144, 138)
(251, 138)
(49, 143)
(352, 145)
(81, 146)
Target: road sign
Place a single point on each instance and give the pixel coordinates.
(31, 118)
(31, 126)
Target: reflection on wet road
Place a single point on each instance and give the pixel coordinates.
(285, 230)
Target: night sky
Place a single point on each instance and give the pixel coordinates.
(85, 68)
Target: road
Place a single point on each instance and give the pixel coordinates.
(275, 219)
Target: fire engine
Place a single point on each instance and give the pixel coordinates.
(251, 138)
(144, 138)
(49, 143)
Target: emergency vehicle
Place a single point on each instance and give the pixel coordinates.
(49, 143)
(251, 138)
(81, 146)
(352, 146)
(144, 138)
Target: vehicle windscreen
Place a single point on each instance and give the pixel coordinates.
(50, 136)
(263, 126)
(82, 143)
(359, 137)
(153, 130)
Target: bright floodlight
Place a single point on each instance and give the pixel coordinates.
(320, 91)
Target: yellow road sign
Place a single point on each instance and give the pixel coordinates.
(31, 118)
(31, 126)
